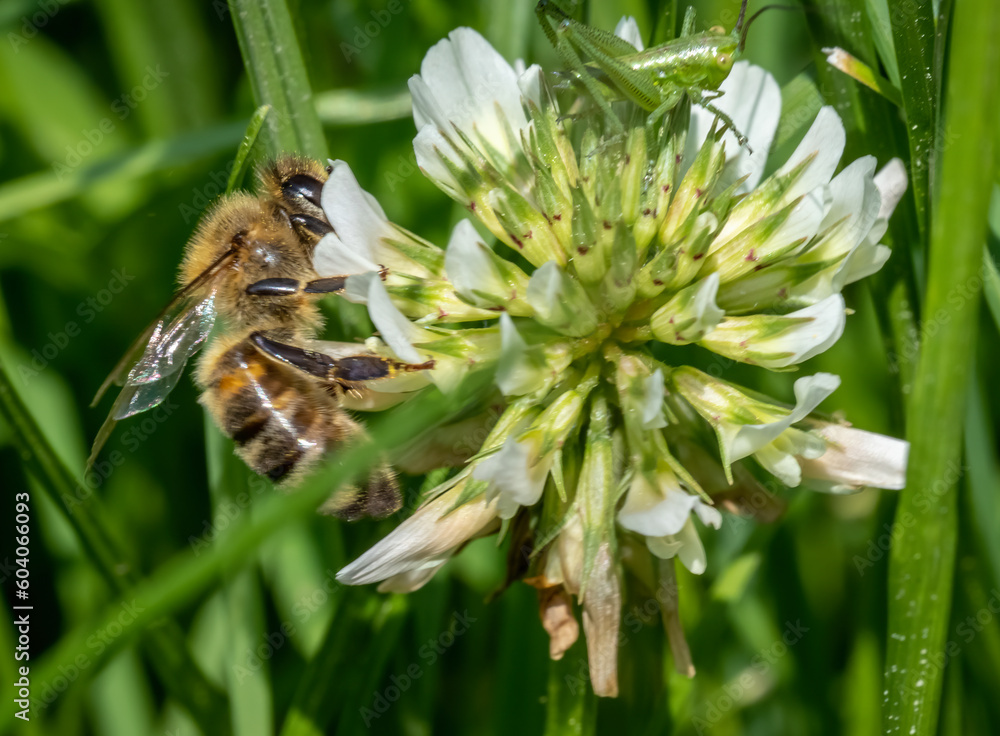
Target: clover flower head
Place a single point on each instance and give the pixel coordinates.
(610, 261)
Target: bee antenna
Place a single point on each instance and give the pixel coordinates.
(742, 30)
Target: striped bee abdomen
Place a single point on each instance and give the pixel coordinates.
(283, 425)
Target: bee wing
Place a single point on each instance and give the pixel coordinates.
(155, 361)
(175, 337)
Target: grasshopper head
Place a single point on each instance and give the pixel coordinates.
(725, 50)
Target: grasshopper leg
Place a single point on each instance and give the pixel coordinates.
(724, 118)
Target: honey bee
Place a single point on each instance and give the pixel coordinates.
(266, 381)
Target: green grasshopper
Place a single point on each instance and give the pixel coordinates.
(657, 79)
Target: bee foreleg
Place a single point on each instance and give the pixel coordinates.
(290, 287)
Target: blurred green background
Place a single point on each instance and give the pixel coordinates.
(119, 121)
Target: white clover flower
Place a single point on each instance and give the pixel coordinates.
(610, 247)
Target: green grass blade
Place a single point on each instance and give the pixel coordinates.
(345, 107)
(242, 160)
(277, 73)
(249, 689)
(169, 652)
(383, 618)
(913, 37)
(571, 706)
(189, 574)
(313, 704)
(922, 561)
(881, 27)
(47, 188)
(991, 287)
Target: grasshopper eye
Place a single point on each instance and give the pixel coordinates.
(724, 60)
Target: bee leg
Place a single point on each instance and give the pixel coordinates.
(351, 371)
(290, 287)
(309, 362)
(309, 227)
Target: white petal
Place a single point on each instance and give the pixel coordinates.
(468, 265)
(794, 337)
(411, 580)
(891, 181)
(826, 139)
(462, 81)
(810, 392)
(812, 338)
(752, 99)
(709, 515)
(779, 464)
(532, 83)
(628, 30)
(516, 475)
(397, 331)
(855, 459)
(655, 512)
(664, 547)
(333, 257)
(686, 545)
(652, 401)
(692, 551)
(431, 533)
(429, 146)
(853, 195)
(355, 215)
(706, 312)
(864, 261)
(517, 374)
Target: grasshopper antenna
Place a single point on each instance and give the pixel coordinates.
(739, 23)
(742, 30)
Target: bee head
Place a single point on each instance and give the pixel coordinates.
(297, 183)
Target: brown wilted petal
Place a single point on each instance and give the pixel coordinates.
(555, 607)
(602, 603)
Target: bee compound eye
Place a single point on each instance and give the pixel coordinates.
(302, 186)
